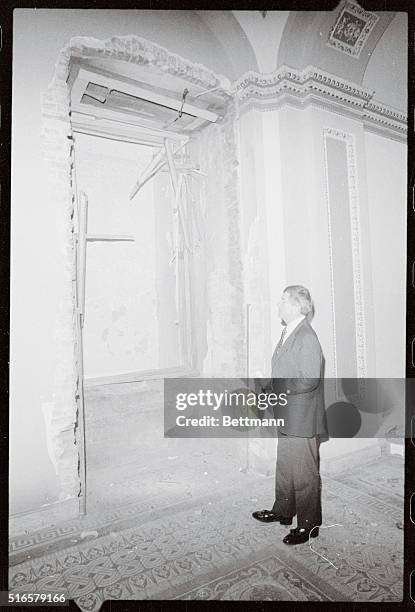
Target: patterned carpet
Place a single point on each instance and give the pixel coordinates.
(210, 548)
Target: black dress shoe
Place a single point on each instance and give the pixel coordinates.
(267, 516)
(300, 536)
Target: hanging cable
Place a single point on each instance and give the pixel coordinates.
(180, 111)
(185, 92)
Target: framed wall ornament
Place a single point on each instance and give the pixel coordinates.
(351, 29)
(352, 241)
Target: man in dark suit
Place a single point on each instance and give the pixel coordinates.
(298, 370)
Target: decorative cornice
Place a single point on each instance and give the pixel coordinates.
(314, 86)
(290, 80)
(385, 117)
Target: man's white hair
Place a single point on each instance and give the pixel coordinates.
(302, 297)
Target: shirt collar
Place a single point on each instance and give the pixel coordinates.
(293, 324)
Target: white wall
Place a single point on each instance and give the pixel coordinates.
(262, 243)
(386, 182)
(299, 187)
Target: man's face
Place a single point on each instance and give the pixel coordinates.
(288, 310)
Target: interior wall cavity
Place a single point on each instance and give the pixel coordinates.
(225, 317)
(123, 328)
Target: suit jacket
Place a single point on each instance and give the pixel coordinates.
(298, 371)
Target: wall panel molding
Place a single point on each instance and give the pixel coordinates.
(356, 248)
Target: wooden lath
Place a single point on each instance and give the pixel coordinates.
(81, 240)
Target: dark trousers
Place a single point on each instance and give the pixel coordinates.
(297, 480)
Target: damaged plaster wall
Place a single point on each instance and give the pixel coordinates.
(219, 159)
(40, 273)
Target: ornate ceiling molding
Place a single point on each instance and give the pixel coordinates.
(314, 86)
(386, 117)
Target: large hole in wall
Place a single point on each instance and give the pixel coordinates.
(134, 322)
(131, 320)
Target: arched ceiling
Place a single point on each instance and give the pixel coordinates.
(387, 70)
(379, 63)
(366, 48)
(233, 40)
(305, 38)
(264, 34)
